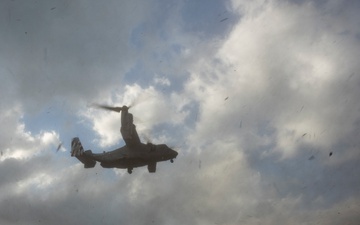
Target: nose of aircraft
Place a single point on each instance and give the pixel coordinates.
(173, 153)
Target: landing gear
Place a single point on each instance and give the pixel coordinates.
(172, 160)
(129, 170)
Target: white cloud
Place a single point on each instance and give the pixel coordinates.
(149, 108)
(19, 143)
(285, 74)
(162, 81)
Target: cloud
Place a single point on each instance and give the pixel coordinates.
(54, 52)
(296, 90)
(150, 108)
(19, 143)
(248, 105)
(162, 81)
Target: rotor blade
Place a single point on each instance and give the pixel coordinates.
(106, 107)
(140, 99)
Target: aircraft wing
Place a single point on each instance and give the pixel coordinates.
(128, 130)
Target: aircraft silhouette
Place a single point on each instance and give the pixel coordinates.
(133, 154)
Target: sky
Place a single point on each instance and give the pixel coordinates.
(260, 99)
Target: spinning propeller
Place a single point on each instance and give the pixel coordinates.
(111, 108)
(136, 101)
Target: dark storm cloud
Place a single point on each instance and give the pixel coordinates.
(14, 170)
(319, 178)
(74, 50)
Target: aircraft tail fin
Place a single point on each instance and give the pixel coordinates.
(77, 150)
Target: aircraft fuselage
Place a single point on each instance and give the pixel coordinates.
(133, 154)
(141, 155)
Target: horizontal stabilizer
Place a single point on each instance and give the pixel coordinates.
(86, 159)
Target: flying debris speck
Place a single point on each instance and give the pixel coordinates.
(224, 20)
(330, 154)
(53, 8)
(226, 98)
(304, 135)
(59, 146)
(312, 157)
